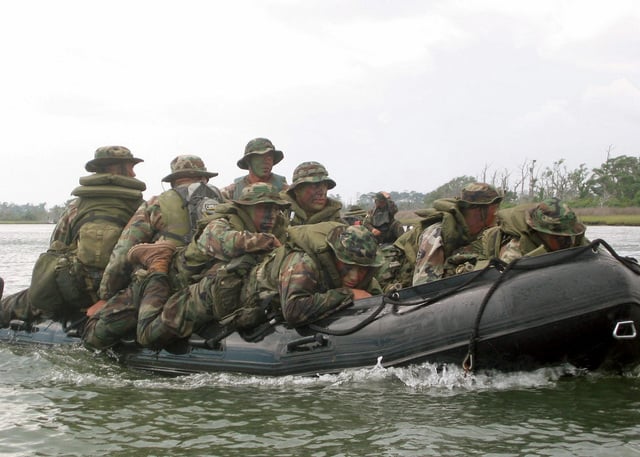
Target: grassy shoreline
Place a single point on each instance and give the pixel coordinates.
(590, 216)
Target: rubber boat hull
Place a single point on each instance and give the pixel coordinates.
(580, 306)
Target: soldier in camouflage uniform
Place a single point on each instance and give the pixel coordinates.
(448, 240)
(260, 155)
(81, 240)
(169, 219)
(308, 196)
(354, 215)
(530, 230)
(242, 229)
(381, 219)
(323, 268)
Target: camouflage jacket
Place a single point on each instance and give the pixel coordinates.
(444, 247)
(514, 238)
(148, 224)
(227, 234)
(233, 190)
(302, 280)
(298, 216)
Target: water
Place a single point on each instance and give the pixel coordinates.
(68, 402)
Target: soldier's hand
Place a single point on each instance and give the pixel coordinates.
(375, 232)
(360, 293)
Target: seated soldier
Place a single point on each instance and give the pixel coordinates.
(448, 241)
(354, 215)
(260, 155)
(381, 219)
(308, 195)
(66, 278)
(530, 230)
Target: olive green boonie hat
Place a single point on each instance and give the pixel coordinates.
(555, 218)
(188, 166)
(107, 155)
(478, 193)
(355, 211)
(259, 146)
(355, 245)
(310, 172)
(260, 192)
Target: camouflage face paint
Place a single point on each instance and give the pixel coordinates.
(264, 216)
(312, 197)
(352, 275)
(556, 242)
(261, 164)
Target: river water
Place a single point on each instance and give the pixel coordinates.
(69, 402)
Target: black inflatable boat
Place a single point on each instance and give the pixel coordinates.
(580, 306)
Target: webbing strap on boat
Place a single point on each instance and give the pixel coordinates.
(468, 364)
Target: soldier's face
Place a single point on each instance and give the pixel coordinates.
(261, 164)
(480, 217)
(311, 197)
(556, 242)
(352, 275)
(264, 216)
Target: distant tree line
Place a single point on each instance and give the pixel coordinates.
(615, 183)
(28, 213)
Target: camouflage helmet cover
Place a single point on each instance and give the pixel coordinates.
(108, 155)
(310, 172)
(259, 146)
(354, 245)
(188, 166)
(555, 218)
(260, 192)
(478, 193)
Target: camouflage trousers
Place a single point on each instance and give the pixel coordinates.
(151, 314)
(163, 319)
(17, 306)
(114, 322)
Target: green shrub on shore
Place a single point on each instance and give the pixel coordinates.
(611, 219)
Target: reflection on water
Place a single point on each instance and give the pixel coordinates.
(67, 401)
(625, 240)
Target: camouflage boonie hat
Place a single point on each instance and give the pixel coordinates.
(188, 166)
(382, 196)
(310, 172)
(355, 245)
(260, 192)
(355, 211)
(107, 155)
(478, 193)
(555, 218)
(259, 146)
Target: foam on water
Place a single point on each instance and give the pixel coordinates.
(75, 366)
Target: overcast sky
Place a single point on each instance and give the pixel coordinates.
(388, 95)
